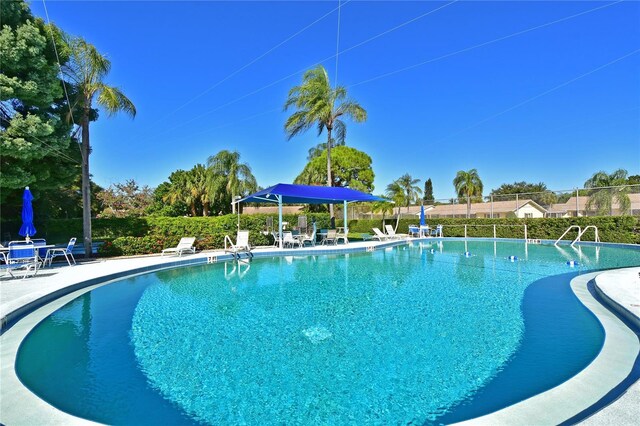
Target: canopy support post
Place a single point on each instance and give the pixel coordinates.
(279, 197)
(346, 222)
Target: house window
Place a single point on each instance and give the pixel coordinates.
(528, 215)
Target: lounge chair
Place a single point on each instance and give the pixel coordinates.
(22, 255)
(414, 230)
(365, 236)
(392, 233)
(437, 231)
(380, 236)
(241, 244)
(61, 251)
(184, 246)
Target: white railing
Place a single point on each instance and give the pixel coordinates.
(567, 231)
(581, 233)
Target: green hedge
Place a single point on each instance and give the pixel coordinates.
(151, 234)
(619, 229)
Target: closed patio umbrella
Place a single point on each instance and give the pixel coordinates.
(422, 221)
(27, 229)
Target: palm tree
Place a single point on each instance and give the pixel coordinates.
(179, 190)
(404, 190)
(468, 184)
(228, 173)
(86, 71)
(383, 206)
(197, 186)
(602, 199)
(317, 104)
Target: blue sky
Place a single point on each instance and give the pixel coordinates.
(513, 89)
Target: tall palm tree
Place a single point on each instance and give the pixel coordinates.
(317, 104)
(86, 71)
(602, 199)
(468, 184)
(228, 173)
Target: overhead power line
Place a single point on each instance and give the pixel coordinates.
(539, 95)
(253, 61)
(297, 72)
(486, 43)
(457, 52)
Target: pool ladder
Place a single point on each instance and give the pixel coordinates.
(581, 232)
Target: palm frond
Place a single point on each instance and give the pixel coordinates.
(113, 100)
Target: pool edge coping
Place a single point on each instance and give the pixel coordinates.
(607, 370)
(15, 332)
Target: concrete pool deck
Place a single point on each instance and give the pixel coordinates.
(33, 296)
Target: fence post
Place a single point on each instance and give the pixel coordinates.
(465, 231)
(525, 232)
(494, 231)
(577, 204)
(491, 206)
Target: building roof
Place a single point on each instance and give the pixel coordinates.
(570, 205)
(509, 206)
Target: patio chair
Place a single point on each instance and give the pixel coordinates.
(332, 237)
(380, 236)
(392, 233)
(310, 239)
(276, 238)
(414, 230)
(184, 246)
(289, 240)
(42, 251)
(22, 255)
(61, 251)
(437, 231)
(241, 244)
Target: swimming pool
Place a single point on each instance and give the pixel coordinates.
(417, 333)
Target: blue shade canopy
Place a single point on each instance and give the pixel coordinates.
(27, 227)
(305, 194)
(422, 221)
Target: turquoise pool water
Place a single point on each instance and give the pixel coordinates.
(418, 334)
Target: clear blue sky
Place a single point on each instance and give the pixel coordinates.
(553, 104)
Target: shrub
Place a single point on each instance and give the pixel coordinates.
(131, 236)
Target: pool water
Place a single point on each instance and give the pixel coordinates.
(411, 334)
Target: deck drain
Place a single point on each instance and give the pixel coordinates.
(316, 334)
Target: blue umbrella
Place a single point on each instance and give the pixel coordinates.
(422, 222)
(27, 229)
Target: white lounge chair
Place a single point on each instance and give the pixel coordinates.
(241, 244)
(184, 246)
(380, 236)
(392, 233)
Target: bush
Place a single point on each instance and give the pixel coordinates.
(619, 229)
(132, 236)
